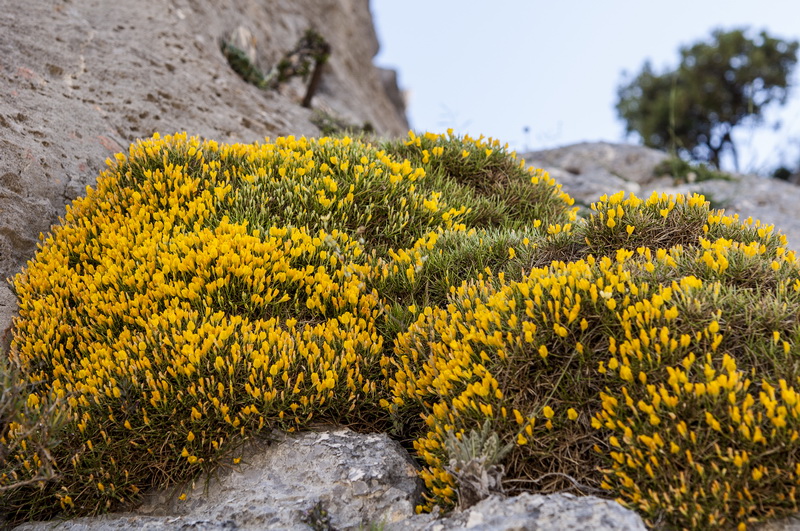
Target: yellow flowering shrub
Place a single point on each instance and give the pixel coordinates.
(203, 293)
(579, 365)
(498, 189)
(169, 329)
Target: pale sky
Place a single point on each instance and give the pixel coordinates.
(495, 68)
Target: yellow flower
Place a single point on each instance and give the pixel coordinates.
(543, 351)
(548, 412)
(572, 414)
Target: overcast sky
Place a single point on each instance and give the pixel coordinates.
(496, 68)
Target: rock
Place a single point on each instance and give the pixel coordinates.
(343, 480)
(338, 476)
(83, 79)
(555, 512)
(589, 170)
(590, 184)
(625, 162)
(8, 308)
(791, 523)
(243, 39)
(390, 84)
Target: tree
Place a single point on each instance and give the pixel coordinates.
(717, 86)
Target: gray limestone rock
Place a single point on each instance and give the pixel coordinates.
(342, 480)
(341, 477)
(555, 512)
(8, 308)
(626, 162)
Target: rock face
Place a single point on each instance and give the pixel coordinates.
(589, 170)
(341, 480)
(82, 79)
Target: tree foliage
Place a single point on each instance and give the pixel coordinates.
(718, 85)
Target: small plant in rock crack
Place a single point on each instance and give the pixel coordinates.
(242, 65)
(318, 518)
(475, 464)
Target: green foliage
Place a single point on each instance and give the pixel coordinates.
(785, 174)
(718, 85)
(242, 65)
(318, 518)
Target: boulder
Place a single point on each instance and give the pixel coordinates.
(83, 79)
(628, 163)
(338, 479)
(589, 170)
(555, 512)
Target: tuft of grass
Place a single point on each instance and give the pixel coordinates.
(241, 64)
(25, 429)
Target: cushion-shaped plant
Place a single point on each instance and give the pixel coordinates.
(631, 371)
(433, 287)
(202, 293)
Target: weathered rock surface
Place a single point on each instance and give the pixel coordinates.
(346, 481)
(591, 169)
(555, 512)
(82, 79)
(356, 479)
